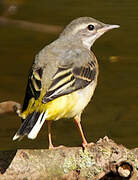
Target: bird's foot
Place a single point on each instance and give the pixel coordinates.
(57, 147)
(85, 144)
(51, 146)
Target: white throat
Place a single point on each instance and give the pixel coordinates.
(88, 42)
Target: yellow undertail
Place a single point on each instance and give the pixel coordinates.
(58, 108)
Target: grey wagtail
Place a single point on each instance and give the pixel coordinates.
(62, 79)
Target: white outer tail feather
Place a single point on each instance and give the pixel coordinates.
(15, 137)
(33, 133)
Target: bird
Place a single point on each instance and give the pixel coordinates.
(62, 79)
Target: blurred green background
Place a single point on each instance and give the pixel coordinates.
(113, 111)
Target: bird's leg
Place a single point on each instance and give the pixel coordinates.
(49, 135)
(77, 121)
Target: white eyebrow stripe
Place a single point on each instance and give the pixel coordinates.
(82, 26)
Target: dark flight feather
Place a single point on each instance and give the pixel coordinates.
(76, 78)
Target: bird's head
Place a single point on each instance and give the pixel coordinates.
(86, 30)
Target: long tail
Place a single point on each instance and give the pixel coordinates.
(31, 125)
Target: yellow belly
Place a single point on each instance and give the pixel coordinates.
(66, 106)
(58, 108)
(61, 107)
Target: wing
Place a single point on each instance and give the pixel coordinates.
(70, 79)
(33, 86)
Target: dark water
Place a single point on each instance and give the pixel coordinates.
(113, 110)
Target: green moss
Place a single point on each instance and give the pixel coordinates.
(86, 159)
(131, 157)
(83, 163)
(69, 164)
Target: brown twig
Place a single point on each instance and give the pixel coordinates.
(103, 160)
(46, 28)
(9, 106)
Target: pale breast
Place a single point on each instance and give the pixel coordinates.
(83, 98)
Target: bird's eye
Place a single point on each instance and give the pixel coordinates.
(90, 27)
